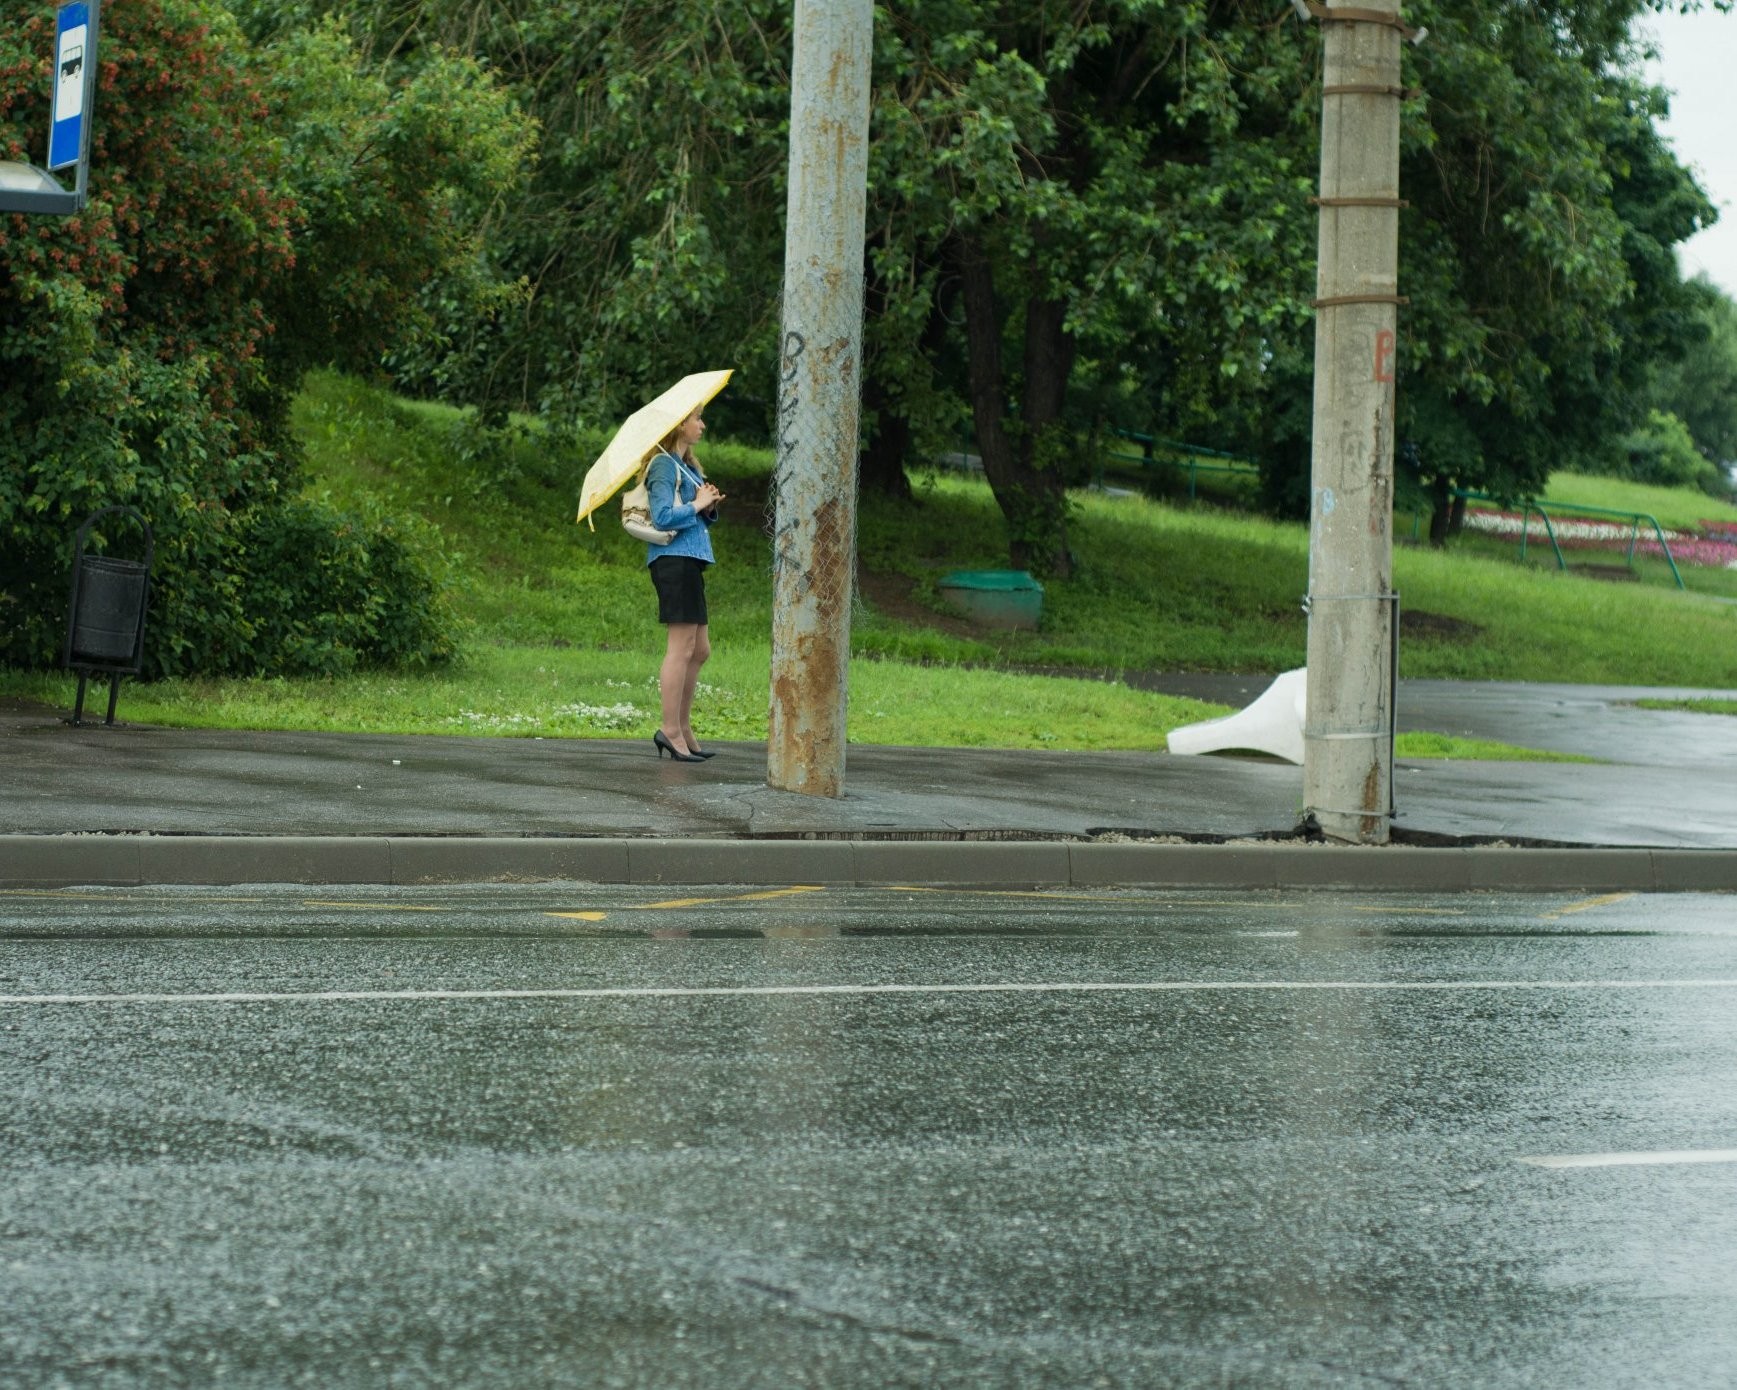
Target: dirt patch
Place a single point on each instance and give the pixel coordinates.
(1416, 622)
(1614, 574)
(893, 595)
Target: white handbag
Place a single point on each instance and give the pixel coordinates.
(636, 513)
(636, 507)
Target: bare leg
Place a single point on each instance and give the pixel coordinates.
(702, 649)
(675, 685)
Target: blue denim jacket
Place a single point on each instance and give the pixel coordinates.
(672, 488)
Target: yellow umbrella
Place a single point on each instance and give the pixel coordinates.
(640, 434)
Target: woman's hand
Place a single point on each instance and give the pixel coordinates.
(707, 497)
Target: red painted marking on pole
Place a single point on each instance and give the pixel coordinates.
(1384, 343)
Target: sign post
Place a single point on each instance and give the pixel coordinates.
(27, 189)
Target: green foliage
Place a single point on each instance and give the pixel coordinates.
(1134, 179)
(1535, 253)
(130, 335)
(649, 235)
(251, 213)
(1700, 389)
(1662, 452)
(393, 184)
(334, 595)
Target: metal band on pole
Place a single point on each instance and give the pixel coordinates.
(1361, 202)
(1338, 301)
(1345, 14)
(1370, 89)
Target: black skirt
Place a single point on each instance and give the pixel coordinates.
(680, 581)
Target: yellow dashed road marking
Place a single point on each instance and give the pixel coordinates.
(1586, 906)
(733, 898)
(581, 916)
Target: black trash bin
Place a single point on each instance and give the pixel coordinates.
(105, 627)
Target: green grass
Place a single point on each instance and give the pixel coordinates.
(523, 692)
(1676, 509)
(542, 692)
(1158, 587)
(1692, 706)
(560, 631)
(1425, 745)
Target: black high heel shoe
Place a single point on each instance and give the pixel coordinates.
(663, 745)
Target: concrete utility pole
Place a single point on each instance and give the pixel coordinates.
(814, 547)
(1348, 732)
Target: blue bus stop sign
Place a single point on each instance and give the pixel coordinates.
(74, 55)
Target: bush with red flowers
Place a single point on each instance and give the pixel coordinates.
(240, 230)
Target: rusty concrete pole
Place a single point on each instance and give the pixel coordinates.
(1347, 735)
(814, 545)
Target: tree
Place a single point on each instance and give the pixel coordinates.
(1048, 187)
(1080, 216)
(1535, 255)
(648, 236)
(1538, 256)
(1701, 388)
(1107, 184)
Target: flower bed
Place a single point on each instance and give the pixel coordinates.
(1714, 547)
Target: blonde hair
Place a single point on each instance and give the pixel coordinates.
(667, 445)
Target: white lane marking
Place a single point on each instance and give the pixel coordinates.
(745, 991)
(70, 896)
(1632, 1159)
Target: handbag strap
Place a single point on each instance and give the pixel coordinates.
(682, 470)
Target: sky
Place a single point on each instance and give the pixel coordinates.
(1697, 53)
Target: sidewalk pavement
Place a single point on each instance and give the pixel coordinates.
(135, 804)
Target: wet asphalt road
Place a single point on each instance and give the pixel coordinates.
(562, 1136)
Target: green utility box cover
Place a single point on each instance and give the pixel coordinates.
(995, 598)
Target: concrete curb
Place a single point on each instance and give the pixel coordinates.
(62, 861)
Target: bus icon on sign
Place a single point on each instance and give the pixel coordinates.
(69, 89)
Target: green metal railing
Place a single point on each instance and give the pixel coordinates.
(1580, 509)
(1155, 450)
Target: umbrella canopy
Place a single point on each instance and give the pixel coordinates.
(640, 434)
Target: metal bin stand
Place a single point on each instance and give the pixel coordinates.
(105, 626)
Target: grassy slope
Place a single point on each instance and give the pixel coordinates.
(1159, 587)
(562, 641)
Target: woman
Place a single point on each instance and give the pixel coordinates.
(684, 502)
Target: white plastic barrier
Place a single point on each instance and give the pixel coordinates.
(1272, 724)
